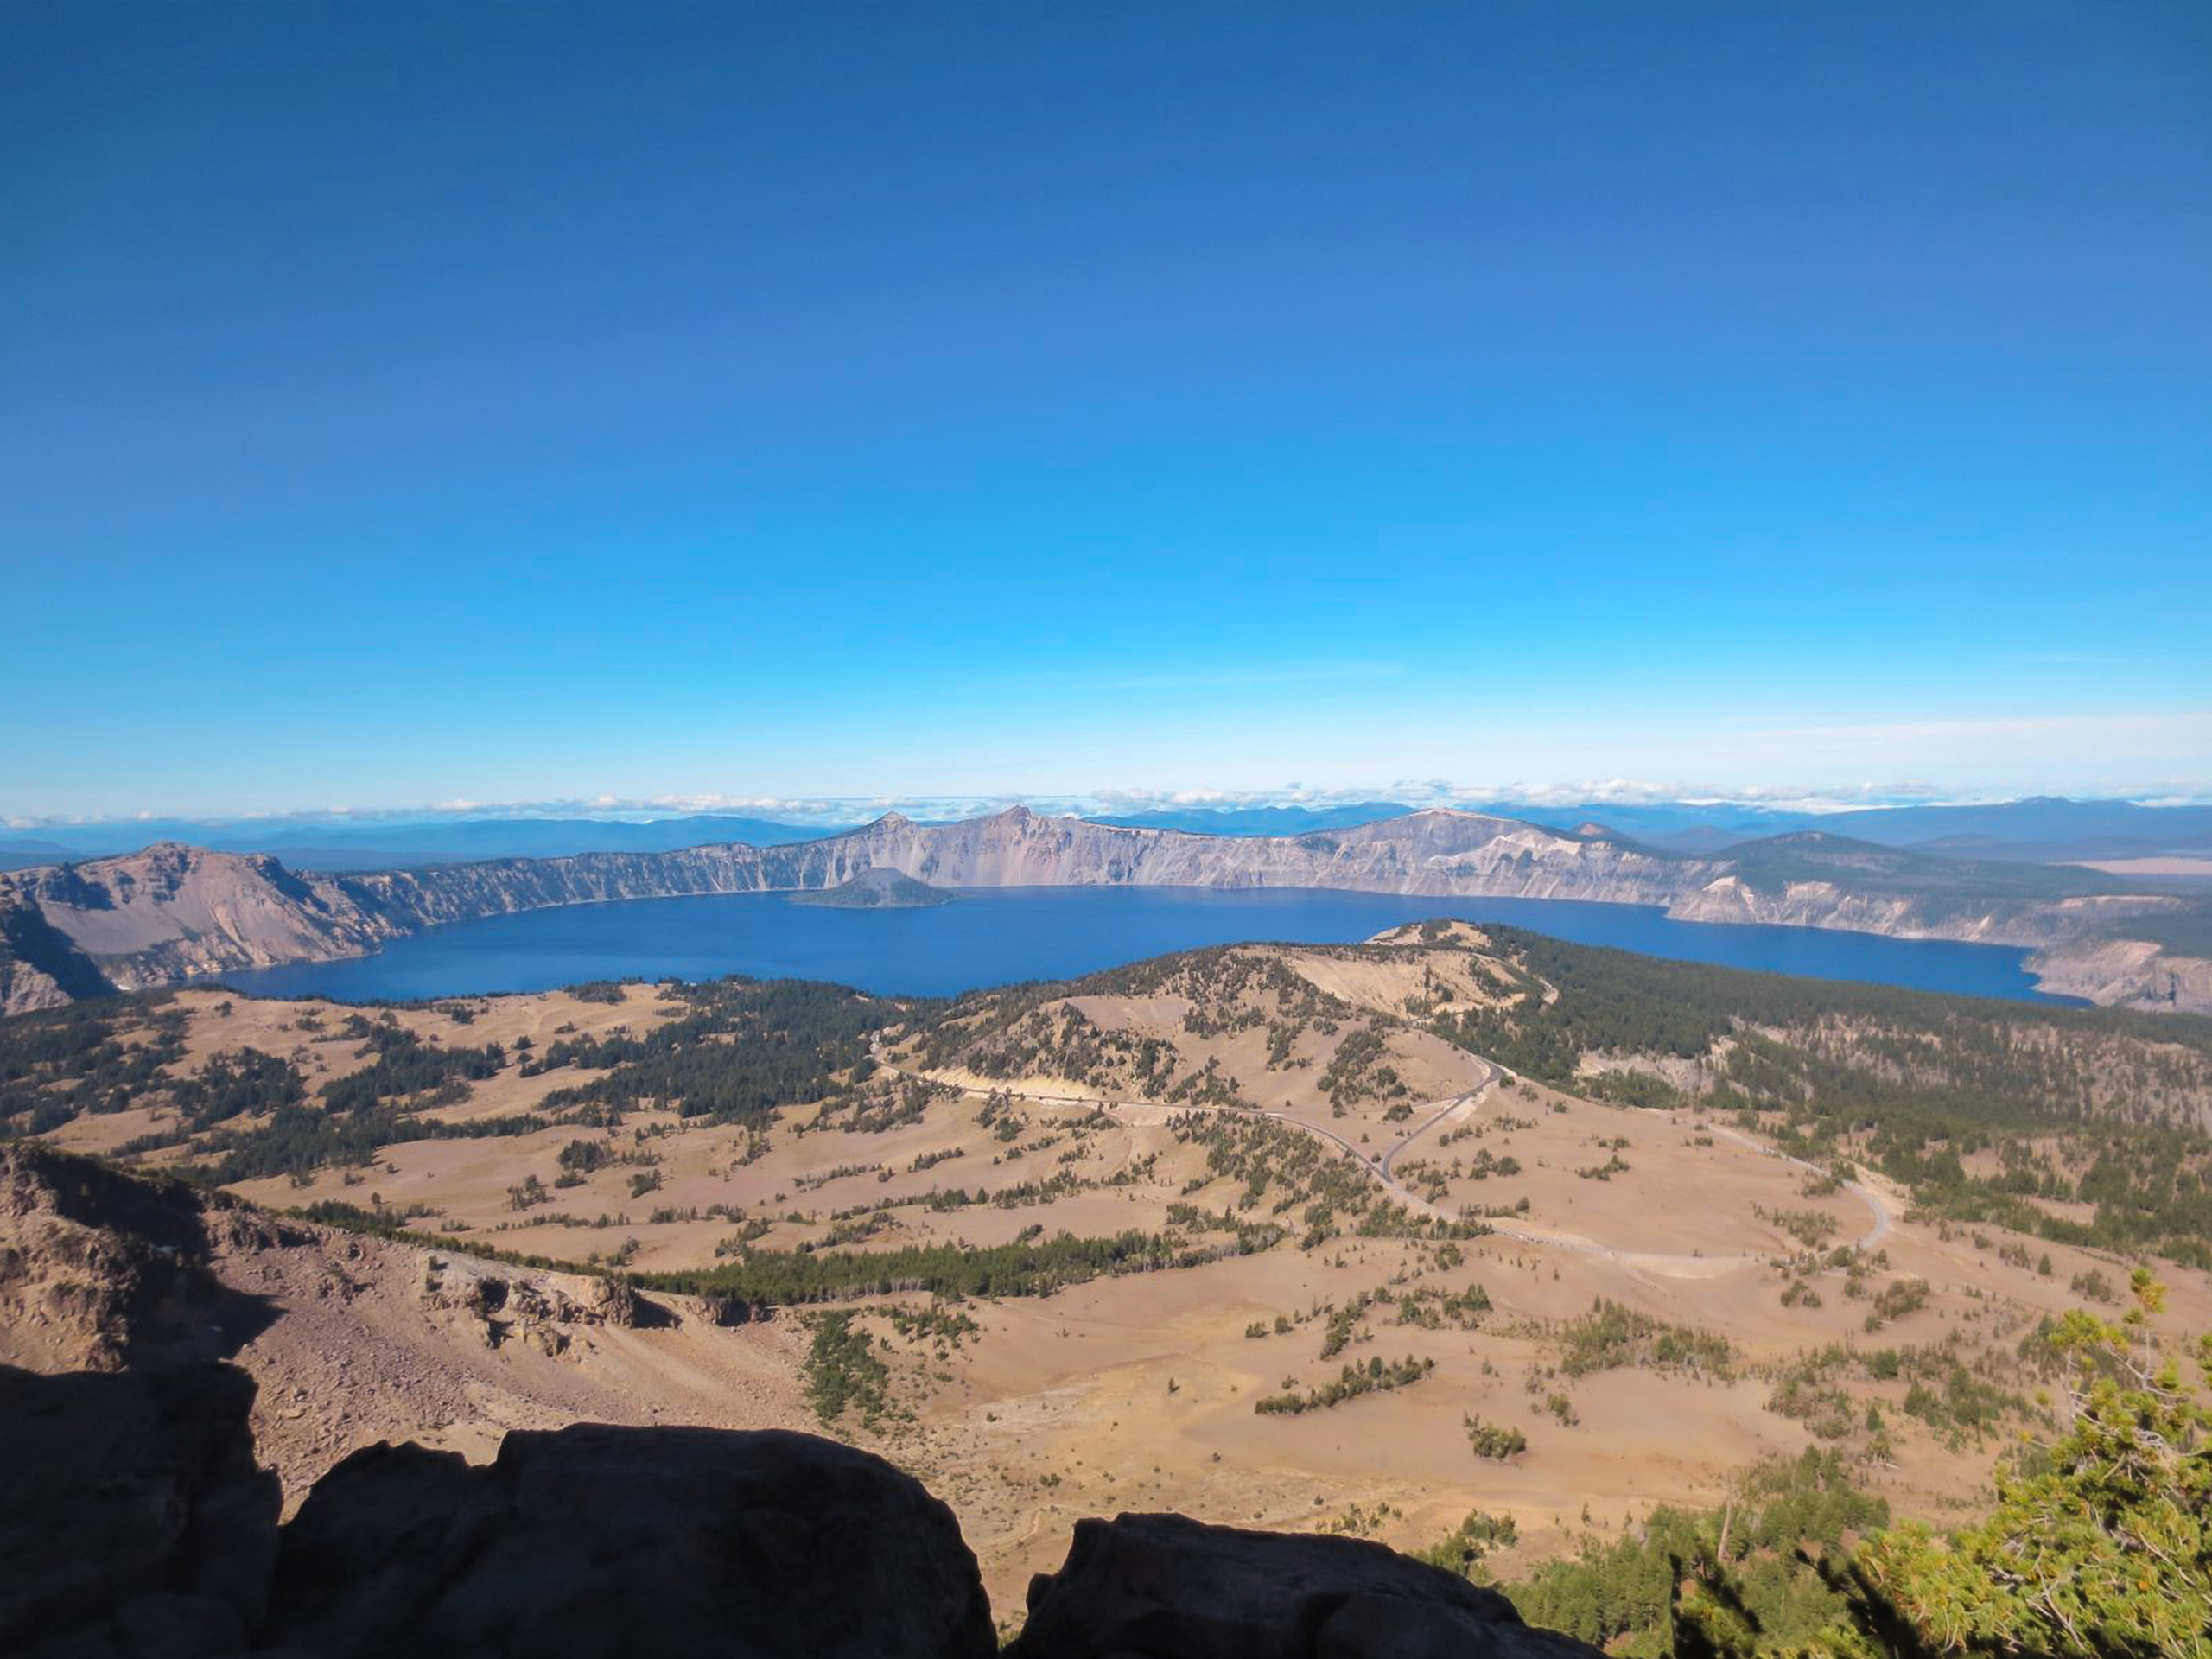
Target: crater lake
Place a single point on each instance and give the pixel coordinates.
(998, 936)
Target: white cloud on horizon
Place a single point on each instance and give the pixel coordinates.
(814, 811)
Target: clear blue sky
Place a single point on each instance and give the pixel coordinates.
(529, 403)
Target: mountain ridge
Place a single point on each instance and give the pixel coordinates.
(2035, 829)
(172, 912)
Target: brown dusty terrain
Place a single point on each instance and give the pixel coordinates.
(1137, 1392)
(2174, 864)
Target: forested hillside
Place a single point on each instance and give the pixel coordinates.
(2082, 1125)
(1985, 1108)
(1285, 1190)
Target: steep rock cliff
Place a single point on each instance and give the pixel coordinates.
(172, 912)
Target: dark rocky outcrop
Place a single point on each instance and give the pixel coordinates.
(138, 1525)
(136, 1521)
(594, 1539)
(729, 1308)
(1162, 1587)
(98, 1269)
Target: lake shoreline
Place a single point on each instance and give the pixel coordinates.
(1004, 935)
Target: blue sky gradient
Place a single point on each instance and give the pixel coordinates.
(530, 403)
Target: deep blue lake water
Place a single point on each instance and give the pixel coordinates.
(997, 935)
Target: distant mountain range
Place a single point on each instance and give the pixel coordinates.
(2041, 829)
(174, 912)
(404, 846)
(1255, 820)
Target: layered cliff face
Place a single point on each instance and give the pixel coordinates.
(169, 913)
(1437, 852)
(2126, 974)
(1440, 852)
(173, 913)
(40, 967)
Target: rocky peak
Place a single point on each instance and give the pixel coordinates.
(98, 1269)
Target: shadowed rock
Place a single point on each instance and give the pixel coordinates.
(596, 1540)
(100, 1269)
(136, 1522)
(138, 1527)
(1161, 1586)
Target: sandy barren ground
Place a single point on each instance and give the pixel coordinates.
(1139, 1391)
(2174, 864)
(358, 1352)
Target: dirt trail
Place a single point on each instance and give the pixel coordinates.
(1696, 1266)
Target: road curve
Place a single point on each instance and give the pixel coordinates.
(1872, 1201)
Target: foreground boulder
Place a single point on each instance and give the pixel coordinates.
(1161, 1586)
(596, 1541)
(136, 1522)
